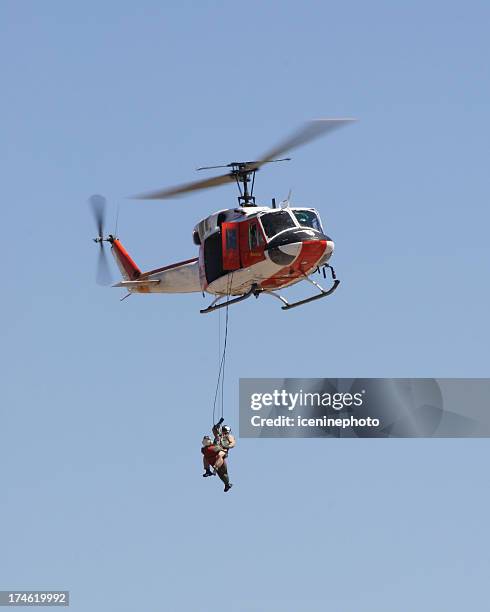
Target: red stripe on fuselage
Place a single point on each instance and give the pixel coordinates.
(310, 254)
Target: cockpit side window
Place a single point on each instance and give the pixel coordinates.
(254, 236)
(276, 222)
(307, 218)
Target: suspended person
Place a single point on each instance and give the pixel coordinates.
(211, 456)
(214, 457)
(224, 439)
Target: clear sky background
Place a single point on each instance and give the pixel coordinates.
(104, 404)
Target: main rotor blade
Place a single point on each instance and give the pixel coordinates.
(186, 187)
(98, 204)
(308, 132)
(104, 276)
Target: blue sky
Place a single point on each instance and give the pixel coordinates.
(103, 404)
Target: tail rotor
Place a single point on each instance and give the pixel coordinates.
(98, 205)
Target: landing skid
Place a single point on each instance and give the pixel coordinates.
(256, 291)
(215, 306)
(322, 294)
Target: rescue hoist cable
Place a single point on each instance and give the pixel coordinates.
(221, 371)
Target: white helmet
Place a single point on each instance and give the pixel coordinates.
(206, 441)
(226, 429)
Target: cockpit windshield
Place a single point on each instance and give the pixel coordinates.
(276, 222)
(307, 218)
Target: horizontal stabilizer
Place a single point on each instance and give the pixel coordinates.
(137, 283)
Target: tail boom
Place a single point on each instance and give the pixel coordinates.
(181, 277)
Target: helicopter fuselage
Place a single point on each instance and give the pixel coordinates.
(267, 247)
(239, 248)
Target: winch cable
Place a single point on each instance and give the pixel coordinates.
(221, 371)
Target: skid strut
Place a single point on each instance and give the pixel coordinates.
(215, 306)
(323, 292)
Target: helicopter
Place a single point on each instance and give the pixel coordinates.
(248, 250)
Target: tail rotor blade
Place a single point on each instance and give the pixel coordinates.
(98, 205)
(104, 276)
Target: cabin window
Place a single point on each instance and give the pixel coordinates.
(213, 264)
(254, 236)
(231, 239)
(276, 222)
(307, 218)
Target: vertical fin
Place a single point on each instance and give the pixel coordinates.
(125, 263)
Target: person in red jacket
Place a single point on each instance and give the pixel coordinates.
(214, 457)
